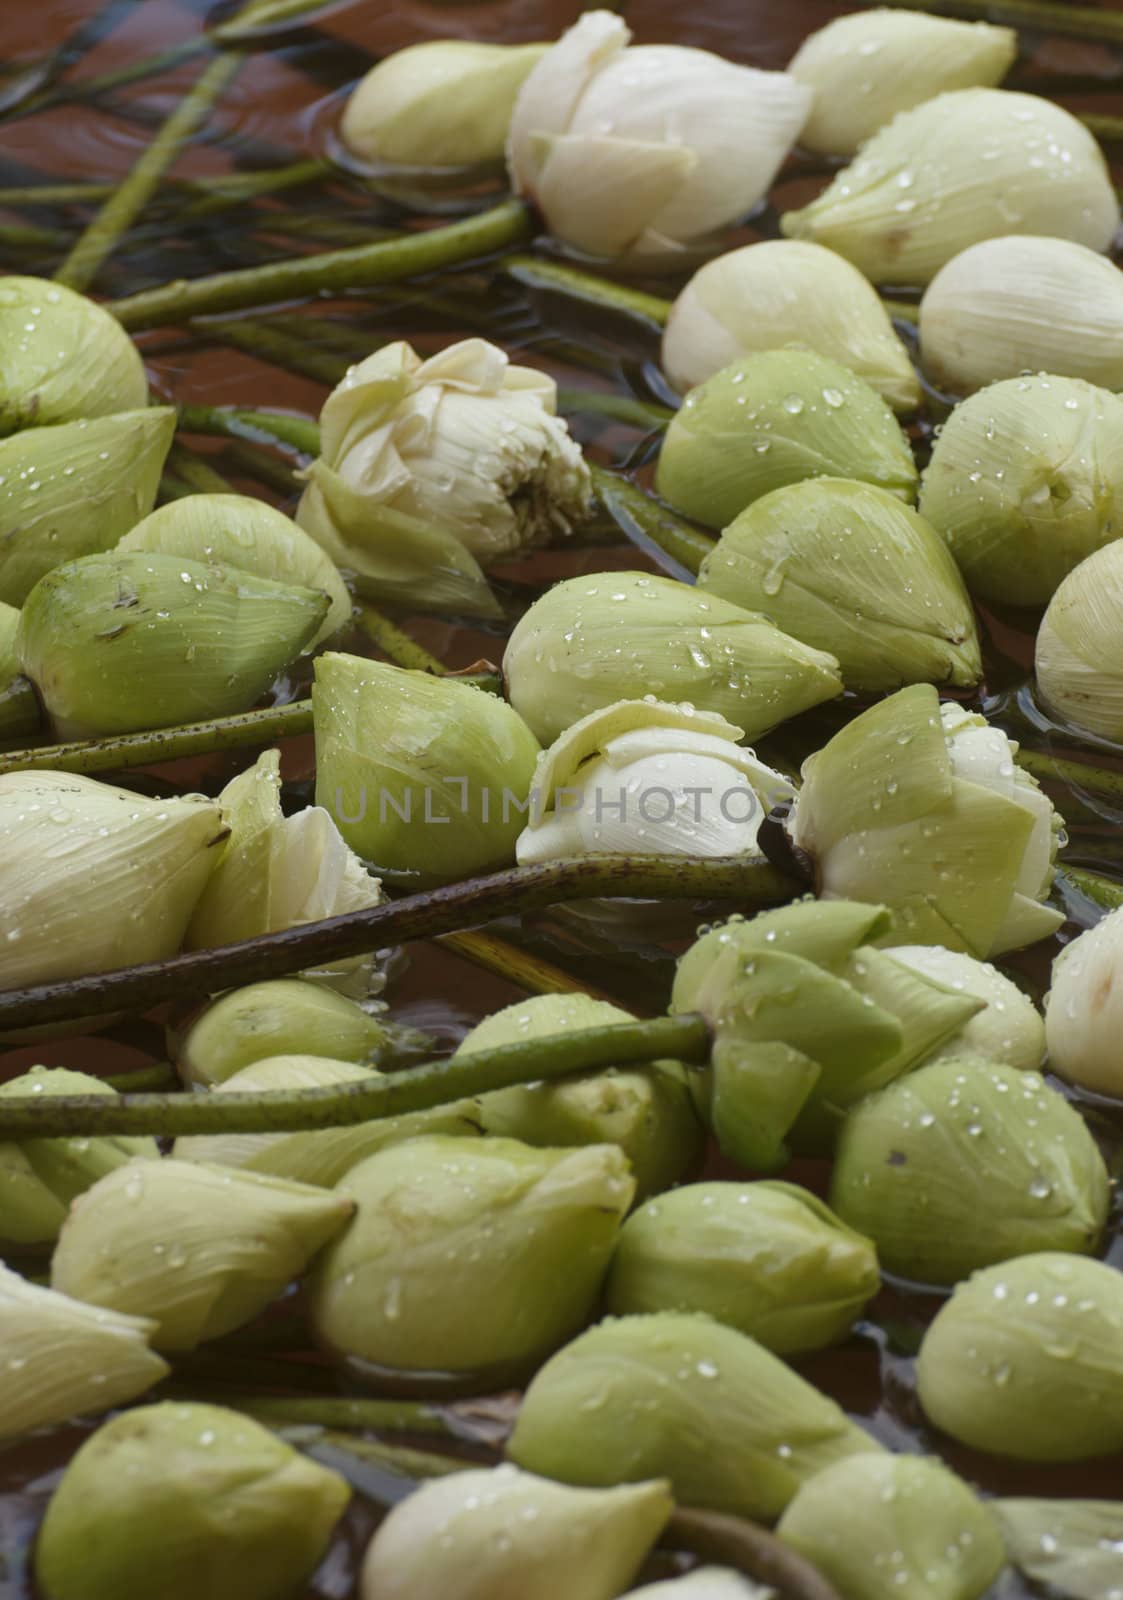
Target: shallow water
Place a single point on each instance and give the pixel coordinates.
(281, 109)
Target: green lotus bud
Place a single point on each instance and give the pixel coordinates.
(705, 1583)
(964, 1163)
(648, 1114)
(1077, 657)
(807, 1019)
(922, 806)
(775, 418)
(202, 641)
(249, 535)
(277, 872)
(40, 1177)
(646, 778)
(442, 789)
(1071, 1547)
(1008, 306)
(767, 1258)
(882, 1526)
(1024, 1360)
(64, 357)
(285, 1017)
(868, 66)
(500, 1534)
(74, 489)
(145, 860)
(646, 149)
(469, 1257)
(442, 103)
(1084, 1009)
(429, 469)
(1025, 481)
(590, 642)
(849, 569)
(778, 294)
(642, 1397)
(968, 165)
(63, 1358)
(184, 1500)
(20, 715)
(1008, 1029)
(199, 1249)
(322, 1157)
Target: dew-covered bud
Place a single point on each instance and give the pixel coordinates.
(882, 1526)
(182, 1501)
(1008, 1030)
(1026, 1360)
(1071, 1547)
(684, 1398)
(500, 1534)
(1078, 657)
(963, 1163)
(768, 1258)
(469, 1256)
(774, 418)
(64, 357)
(199, 1249)
(1084, 1009)
(284, 1017)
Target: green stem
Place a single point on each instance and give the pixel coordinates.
(593, 291)
(361, 266)
(218, 194)
(50, 194)
(621, 408)
(1102, 782)
(1103, 127)
(165, 744)
(265, 14)
(24, 235)
(142, 1080)
(1083, 22)
(518, 890)
(257, 427)
(103, 82)
(396, 1459)
(903, 310)
(1105, 892)
(749, 1549)
(402, 1416)
(276, 348)
(395, 643)
(520, 967)
(173, 488)
(260, 464)
(104, 233)
(394, 1094)
(648, 523)
(196, 473)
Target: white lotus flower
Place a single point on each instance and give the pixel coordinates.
(1084, 1009)
(649, 148)
(647, 778)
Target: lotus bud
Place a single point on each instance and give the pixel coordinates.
(646, 778)
(65, 357)
(431, 469)
(320, 1158)
(1077, 657)
(648, 1114)
(117, 643)
(1008, 1030)
(1007, 306)
(969, 165)
(20, 715)
(1084, 1009)
(1070, 1547)
(146, 861)
(644, 150)
(775, 418)
(40, 1177)
(705, 1583)
(642, 1397)
(444, 786)
(783, 293)
(444, 103)
(922, 806)
(849, 569)
(469, 1258)
(184, 1500)
(496, 1533)
(63, 1358)
(285, 1017)
(74, 489)
(807, 1018)
(590, 642)
(1024, 1360)
(964, 1163)
(881, 1526)
(1025, 481)
(199, 1249)
(768, 1258)
(866, 67)
(234, 530)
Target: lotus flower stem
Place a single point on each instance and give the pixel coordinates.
(24, 235)
(621, 408)
(1045, 16)
(647, 523)
(361, 266)
(276, 428)
(277, 348)
(217, 194)
(903, 310)
(404, 1416)
(88, 89)
(738, 1543)
(518, 890)
(55, 194)
(519, 967)
(396, 644)
(259, 463)
(577, 285)
(196, 473)
(145, 1080)
(265, 14)
(1102, 782)
(1102, 126)
(393, 1094)
(395, 1459)
(173, 488)
(1105, 892)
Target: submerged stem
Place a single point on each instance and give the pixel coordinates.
(277, 428)
(519, 967)
(647, 523)
(584, 286)
(1046, 16)
(1104, 892)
